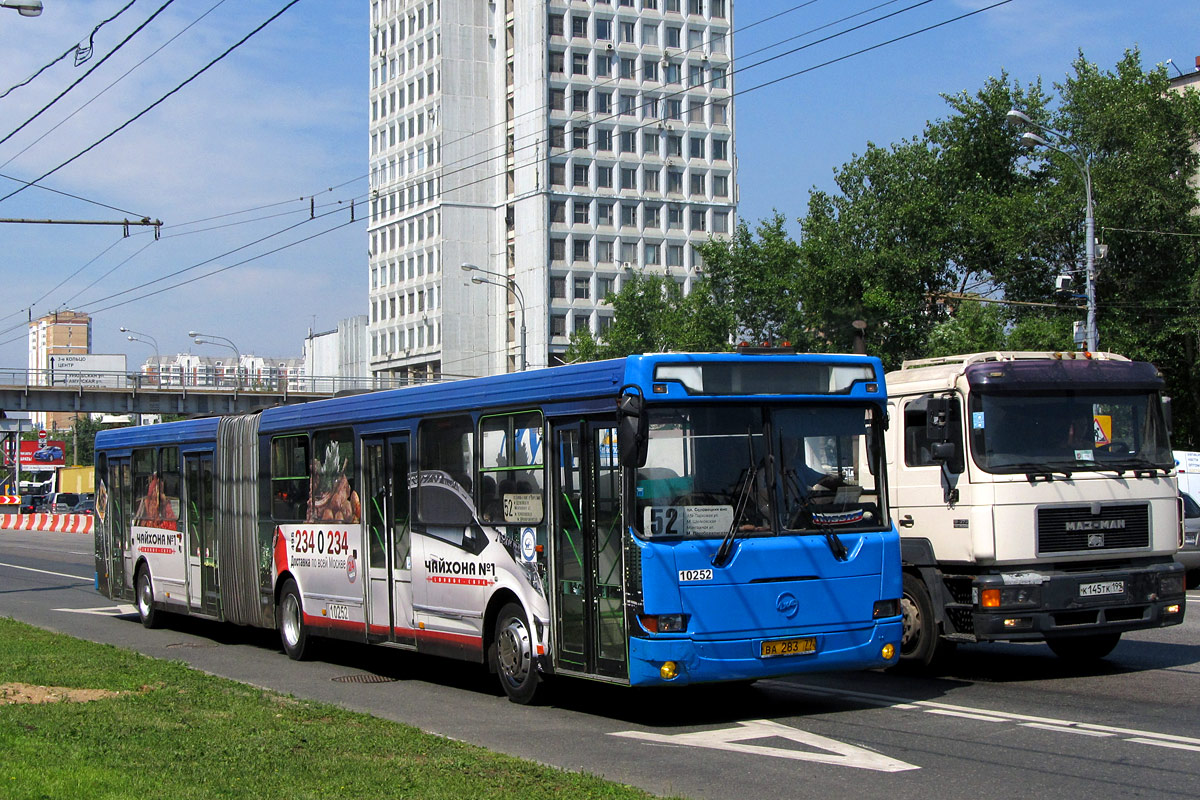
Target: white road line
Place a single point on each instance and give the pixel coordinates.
(1158, 743)
(119, 610)
(1130, 734)
(964, 714)
(1061, 729)
(48, 572)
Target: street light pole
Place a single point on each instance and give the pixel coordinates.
(26, 8)
(510, 285)
(145, 338)
(221, 341)
(1030, 140)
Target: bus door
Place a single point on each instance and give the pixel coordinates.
(118, 512)
(201, 544)
(588, 592)
(389, 541)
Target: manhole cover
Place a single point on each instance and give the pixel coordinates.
(191, 644)
(364, 677)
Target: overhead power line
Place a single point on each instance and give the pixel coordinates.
(153, 105)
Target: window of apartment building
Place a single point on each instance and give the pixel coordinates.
(650, 143)
(720, 148)
(581, 174)
(558, 99)
(625, 3)
(628, 142)
(674, 218)
(674, 181)
(604, 64)
(718, 42)
(649, 69)
(675, 145)
(603, 29)
(719, 113)
(674, 255)
(628, 67)
(671, 74)
(558, 288)
(718, 78)
(695, 40)
(716, 9)
(555, 26)
(581, 250)
(604, 213)
(556, 62)
(558, 324)
(627, 103)
(604, 287)
(628, 215)
(650, 4)
(558, 174)
(579, 63)
(581, 323)
(579, 137)
(695, 109)
(583, 289)
(579, 100)
(604, 253)
(625, 32)
(672, 6)
(698, 220)
(558, 249)
(604, 139)
(652, 256)
(649, 180)
(720, 222)
(695, 75)
(696, 146)
(696, 7)
(650, 108)
(558, 211)
(604, 177)
(629, 252)
(629, 178)
(581, 212)
(673, 36)
(652, 217)
(720, 186)
(650, 33)
(579, 26)
(603, 102)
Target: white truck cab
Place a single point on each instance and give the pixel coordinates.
(1036, 499)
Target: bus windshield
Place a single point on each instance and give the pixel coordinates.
(1068, 432)
(760, 470)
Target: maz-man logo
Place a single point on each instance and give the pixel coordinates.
(787, 604)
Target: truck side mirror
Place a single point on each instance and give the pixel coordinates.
(937, 419)
(632, 430)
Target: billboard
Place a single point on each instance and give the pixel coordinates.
(38, 456)
(88, 369)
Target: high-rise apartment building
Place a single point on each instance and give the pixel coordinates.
(559, 147)
(58, 334)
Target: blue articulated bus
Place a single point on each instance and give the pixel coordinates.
(663, 519)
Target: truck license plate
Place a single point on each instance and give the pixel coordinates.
(1102, 588)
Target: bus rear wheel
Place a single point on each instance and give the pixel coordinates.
(1081, 649)
(292, 632)
(144, 591)
(514, 655)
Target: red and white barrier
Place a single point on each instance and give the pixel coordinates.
(53, 523)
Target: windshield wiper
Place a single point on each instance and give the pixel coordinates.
(1138, 465)
(723, 552)
(1034, 468)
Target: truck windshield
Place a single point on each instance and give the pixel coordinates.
(1068, 432)
(760, 470)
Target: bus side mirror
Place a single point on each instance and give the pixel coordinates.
(632, 436)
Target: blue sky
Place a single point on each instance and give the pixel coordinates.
(283, 117)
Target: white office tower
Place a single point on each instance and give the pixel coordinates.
(557, 148)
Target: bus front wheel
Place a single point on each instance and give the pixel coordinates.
(292, 632)
(514, 655)
(147, 613)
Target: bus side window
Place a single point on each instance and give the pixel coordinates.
(511, 476)
(446, 449)
(289, 478)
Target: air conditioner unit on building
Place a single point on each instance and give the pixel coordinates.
(608, 47)
(705, 54)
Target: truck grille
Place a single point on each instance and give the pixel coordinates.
(1067, 529)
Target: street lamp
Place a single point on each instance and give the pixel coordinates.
(510, 285)
(26, 8)
(145, 338)
(221, 341)
(1030, 140)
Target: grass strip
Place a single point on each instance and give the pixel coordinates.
(175, 732)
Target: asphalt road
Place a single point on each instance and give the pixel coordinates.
(1001, 721)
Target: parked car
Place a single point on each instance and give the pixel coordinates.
(51, 453)
(61, 502)
(86, 507)
(1189, 554)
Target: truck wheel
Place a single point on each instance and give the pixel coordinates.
(919, 638)
(292, 632)
(144, 592)
(1081, 649)
(514, 655)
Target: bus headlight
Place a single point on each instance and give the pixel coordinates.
(886, 608)
(664, 623)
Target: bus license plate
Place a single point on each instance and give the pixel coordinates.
(1102, 588)
(789, 647)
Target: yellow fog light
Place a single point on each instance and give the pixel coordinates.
(668, 671)
(888, 651)
(1173, 608)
